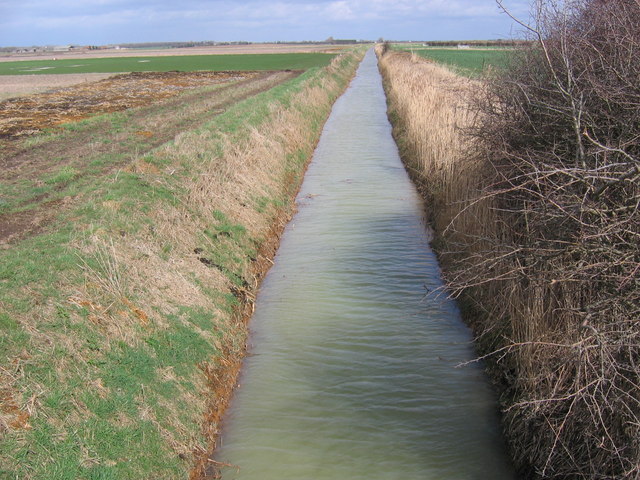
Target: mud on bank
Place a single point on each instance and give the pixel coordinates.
(123, 317)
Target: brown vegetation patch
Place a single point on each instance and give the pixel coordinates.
(28, 221)
(543, 248)
(13, 415)
(431, 108)
(27, 115)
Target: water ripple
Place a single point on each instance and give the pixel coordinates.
(354, 368)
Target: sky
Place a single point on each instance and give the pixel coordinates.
(102, 22)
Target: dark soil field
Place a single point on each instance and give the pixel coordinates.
(30, 114)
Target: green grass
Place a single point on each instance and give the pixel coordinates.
(274, 61)
(129, 373)
(106, 402)
(64, 175)
(470, 62)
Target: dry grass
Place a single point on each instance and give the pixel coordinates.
(433, 117)
(228, 183)
(542, 247)
(430, 108)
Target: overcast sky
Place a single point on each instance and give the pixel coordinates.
(99, 22)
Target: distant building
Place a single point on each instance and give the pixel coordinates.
(463, 46)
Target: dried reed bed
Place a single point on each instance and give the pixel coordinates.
(429, 106)
(431, 113)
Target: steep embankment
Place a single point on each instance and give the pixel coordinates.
(123, 315)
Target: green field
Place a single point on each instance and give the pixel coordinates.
(274, 61)
(470, 62)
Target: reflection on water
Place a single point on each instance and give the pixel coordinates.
(352, 372)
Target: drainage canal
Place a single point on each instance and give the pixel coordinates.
(351, 372)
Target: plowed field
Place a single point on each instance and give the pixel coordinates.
(26, 115)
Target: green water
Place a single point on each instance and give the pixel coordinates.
(352, 367)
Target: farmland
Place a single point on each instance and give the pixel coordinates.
(274, 61)
(131, 245)
(471, 62)
(30, 114)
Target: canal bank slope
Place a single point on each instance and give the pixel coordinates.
(429, 108)
(123, 319)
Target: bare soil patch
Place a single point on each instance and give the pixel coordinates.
(20, 85)
(27, 115)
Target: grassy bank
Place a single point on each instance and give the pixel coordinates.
(122, 316)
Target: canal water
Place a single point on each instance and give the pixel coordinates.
(352, 368)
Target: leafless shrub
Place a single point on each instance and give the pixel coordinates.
(537, 223)
(561, 129)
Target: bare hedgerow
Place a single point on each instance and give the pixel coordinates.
(548, 252)
(561, 130)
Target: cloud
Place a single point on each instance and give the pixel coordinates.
(339, 11)
(76, 20)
